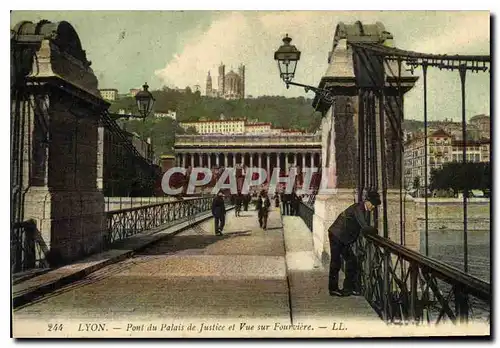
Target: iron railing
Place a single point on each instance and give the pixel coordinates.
(306, 212)
(119, 203)
(380, 80)
(28, 250)
(125, 223)
(406, 287)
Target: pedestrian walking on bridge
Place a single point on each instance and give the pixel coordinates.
(246, 201)
(342, 234)
(286, 203)
(263, 204)
(238, 202)
(219, 213)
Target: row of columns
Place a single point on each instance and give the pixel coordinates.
(308, 159)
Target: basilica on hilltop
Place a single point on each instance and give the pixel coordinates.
(230, 85)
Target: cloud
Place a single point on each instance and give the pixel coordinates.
(458, 35)
(251, 38)
(203, 52)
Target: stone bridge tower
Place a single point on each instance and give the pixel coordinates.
(56, 110)
(340, 131)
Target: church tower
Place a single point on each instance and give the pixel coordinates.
(222, 74)
(209, 85)
(241, 71)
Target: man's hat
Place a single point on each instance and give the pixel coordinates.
(373, 197)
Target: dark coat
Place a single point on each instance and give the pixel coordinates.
(218, 207)
(238, 200)
(349, 224)
(267, 204)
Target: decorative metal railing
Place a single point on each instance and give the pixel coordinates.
(27, 248)
(250, 140)
(311, 199)
(118, 203)
(306, 212)
(125, 223)
(404, 286)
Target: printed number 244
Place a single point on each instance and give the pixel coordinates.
(55, 327)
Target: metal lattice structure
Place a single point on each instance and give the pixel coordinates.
(404, 286)
(401, 284)
(28, 250)
(123, 164)
(125, 223)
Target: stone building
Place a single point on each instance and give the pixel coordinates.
(263, 151)
(236, 126)
(110, 94)
(439, 151)
(483, 124)
(442, 147)
(230, 85)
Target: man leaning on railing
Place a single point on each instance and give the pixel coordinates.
(342, 234)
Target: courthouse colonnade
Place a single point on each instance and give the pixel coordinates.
(268, 152)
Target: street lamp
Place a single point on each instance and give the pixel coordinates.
(145, 101)
(288, 56)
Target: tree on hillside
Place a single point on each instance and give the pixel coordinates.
(296, 113)
(190, 130)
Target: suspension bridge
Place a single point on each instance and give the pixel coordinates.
(71, 258)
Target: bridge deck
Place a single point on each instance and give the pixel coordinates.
(196, 277)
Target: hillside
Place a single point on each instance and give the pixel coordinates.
(283, 112)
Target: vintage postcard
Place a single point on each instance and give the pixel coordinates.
(222, 174)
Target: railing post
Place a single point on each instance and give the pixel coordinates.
(461, 304)
(414, 293)
(386, 290)
(29, 246)
(18, 248)
(367, 266)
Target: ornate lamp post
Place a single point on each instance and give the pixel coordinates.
(145, 101)
(288, 56)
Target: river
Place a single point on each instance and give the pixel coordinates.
(447, 245)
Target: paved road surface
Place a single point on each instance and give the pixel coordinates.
(196, 276)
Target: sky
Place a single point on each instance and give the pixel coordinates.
(178, 48)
